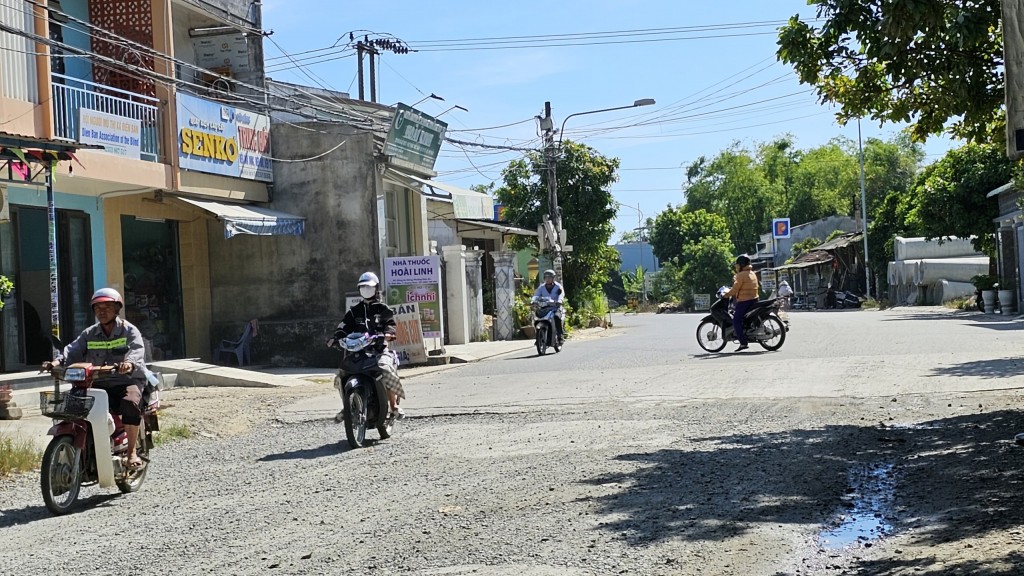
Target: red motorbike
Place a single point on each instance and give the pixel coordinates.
(89, 444)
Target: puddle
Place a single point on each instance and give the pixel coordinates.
(867, 508)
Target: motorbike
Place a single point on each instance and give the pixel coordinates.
(545, 310)
(762, 324)
(364, 398)
(89, 444)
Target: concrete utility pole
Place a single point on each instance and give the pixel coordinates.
(550, 163)
(359, 69)
(864, 215)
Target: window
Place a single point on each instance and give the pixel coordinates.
(392, 230)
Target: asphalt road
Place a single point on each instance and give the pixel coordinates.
(629, 452)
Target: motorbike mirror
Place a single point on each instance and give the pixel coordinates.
(56, 343)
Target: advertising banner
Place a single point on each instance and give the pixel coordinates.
(409, 344)
(416, 279)
(219, 139)
(414, 138)
(702, 301)
(119, 135)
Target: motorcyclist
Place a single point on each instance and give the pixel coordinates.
(744, 289)
(553, 291)
(113, 341)
(372, 316)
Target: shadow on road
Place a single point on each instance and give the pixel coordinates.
(957, 479)
(992, 321)
(329, 449)
(995, 368)
(36, 512)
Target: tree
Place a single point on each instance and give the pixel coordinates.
(918, 61)
(733, 186)
(675, 228)
(707, 266)
(588, 208)
(6, 287)
(951, 195)
(804, 245)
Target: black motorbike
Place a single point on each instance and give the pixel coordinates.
(364, 398)
(545, 310)
(761, 324)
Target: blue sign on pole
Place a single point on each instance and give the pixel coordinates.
(780, 228)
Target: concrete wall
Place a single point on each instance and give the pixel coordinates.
(296, 286)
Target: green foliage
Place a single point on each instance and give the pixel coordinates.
(521, 310)
(633, 282)
(593, 309)
(18, 455)
(171, 433)
(984, 281)
(919, 61)
(667, 284)
(732, 185)
(675, 228)
(707, 266)
(588, 208)
(805, 245)
(951, 195)
(6, 287)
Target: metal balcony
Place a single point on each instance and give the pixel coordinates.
(71, 95)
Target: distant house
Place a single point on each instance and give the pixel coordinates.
(637, 254)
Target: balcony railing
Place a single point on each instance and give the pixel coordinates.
(72, 95)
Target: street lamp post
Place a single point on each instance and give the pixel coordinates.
(551, 155)
(864, 215)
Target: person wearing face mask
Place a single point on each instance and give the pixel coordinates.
(372, 316)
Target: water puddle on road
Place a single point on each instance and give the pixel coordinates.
(869, 508)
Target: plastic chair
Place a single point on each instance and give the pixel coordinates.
(241, 348)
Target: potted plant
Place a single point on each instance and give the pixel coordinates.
(6, 287)
(986, 284)
(523, 313)
(1006, 296)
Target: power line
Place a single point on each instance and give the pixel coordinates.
(635, 31)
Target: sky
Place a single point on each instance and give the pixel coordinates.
(710, 66)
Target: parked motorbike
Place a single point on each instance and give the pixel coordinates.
(89, 444)
(364, 398)
(762, 324)
(545, 310)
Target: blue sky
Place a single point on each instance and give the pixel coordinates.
(710, 91)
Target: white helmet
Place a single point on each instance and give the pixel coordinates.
(369, 279)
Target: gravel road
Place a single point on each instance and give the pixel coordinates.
(629, 454)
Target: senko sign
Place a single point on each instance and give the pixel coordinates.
(220, 139)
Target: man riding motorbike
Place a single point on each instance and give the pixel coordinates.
(554, 291)
(373, 316)
(113, 341)
(744, 289)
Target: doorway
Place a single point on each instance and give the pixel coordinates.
(152, 284)
(24, 258)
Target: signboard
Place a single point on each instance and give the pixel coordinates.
(5, 208)
(221, 139)
(500, 213)
(225, 51)
(414, 138)
(119, 135)
(416, 279)
(768, 280)
(473, 206)
(702, 301)
(409, 344)
(780, 228)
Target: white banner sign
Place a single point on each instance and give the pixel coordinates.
(118, 135)
(702, 301)
(409, 344)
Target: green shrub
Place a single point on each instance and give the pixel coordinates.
(18, 455)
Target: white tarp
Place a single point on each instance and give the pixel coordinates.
(919, 248)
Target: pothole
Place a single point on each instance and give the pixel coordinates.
(868, 504)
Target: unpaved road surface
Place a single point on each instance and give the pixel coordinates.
(872, 443)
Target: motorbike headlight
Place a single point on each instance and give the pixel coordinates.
(75, 374)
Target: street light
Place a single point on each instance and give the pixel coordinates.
(431, 95)
(549, 151)
(640, 229)
(452, 108)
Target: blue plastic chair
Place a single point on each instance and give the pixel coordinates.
(241, 348)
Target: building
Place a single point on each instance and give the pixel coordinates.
(172, 92)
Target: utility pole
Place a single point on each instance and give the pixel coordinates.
(550, 160)
(373, 74)
(359, 69)
(864, 215)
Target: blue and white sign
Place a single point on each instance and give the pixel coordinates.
(780, 228)
(118, 135)
(221, 139)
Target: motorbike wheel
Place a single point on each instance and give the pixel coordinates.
(542, 340)
(355, 420)
(772, 325)
(710, 336)
(61, 475)
(134, 478)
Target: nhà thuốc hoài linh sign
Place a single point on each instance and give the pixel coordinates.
(220, 139)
